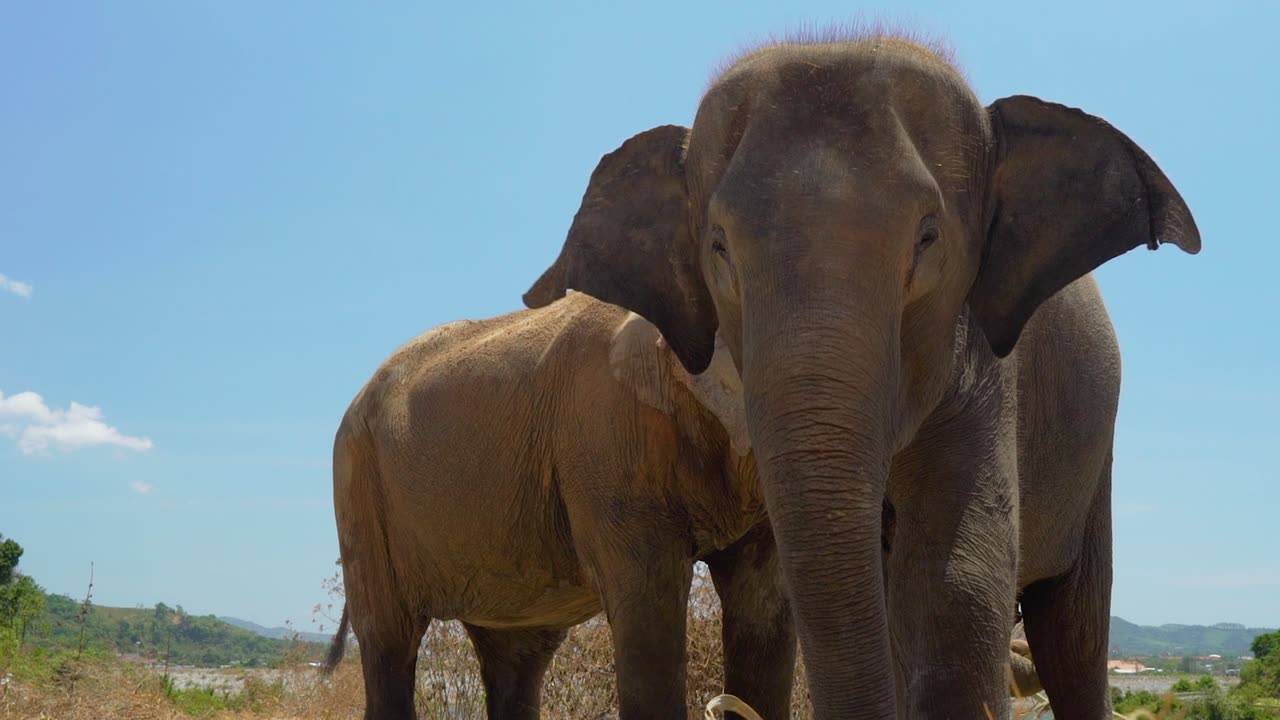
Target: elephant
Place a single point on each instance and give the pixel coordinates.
(521, 473)
(903, 280)
(524, 472)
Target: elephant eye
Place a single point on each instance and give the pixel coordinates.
(929, 233)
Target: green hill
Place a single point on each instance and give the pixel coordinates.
(1223, 639)
(154, 632)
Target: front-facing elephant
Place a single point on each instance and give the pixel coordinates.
(901, 276)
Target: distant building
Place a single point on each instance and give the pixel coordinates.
(1126, 667)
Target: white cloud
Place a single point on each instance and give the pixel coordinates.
(40, 428)
(26, 405)
(20, 289)
(140, 487)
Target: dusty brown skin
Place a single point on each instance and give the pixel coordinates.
(901, 276)
(522, 473)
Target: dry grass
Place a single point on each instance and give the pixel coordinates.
(580, 683)
(112, 689)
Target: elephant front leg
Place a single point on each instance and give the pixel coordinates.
(646, 596)
(757, 629)
(647, 620)
(951, 576)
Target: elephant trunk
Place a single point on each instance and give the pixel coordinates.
(821, 383)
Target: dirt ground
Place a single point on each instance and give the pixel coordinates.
(232, 679)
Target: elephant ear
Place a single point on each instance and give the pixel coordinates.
(630, 245)
(1068, 193)
(719, 390)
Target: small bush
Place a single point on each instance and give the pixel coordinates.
(200, 702)
(1126, 703)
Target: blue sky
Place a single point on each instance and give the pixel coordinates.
(216, 219)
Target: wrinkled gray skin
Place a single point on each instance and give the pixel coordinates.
(902, 278)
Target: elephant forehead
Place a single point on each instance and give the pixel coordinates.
(801, 119)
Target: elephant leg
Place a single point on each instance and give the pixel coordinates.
(758, 632)
(1068, 621)
(647, 605)
(952, 560)
(389, 663)
(512, 665)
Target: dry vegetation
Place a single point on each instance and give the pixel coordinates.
(580, 683)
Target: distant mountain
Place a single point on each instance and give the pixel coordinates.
(275, 633)
(1222, 639)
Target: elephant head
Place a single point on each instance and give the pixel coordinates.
(839, 213)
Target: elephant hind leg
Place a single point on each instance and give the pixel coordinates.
(390, 672)
(1068, 621)
(512, 665)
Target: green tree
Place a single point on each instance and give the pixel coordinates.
(21, 599)
(29, 603)
(1264, 645)
(1258, 694)
(10, 551)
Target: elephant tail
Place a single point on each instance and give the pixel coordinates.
(338, 647)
